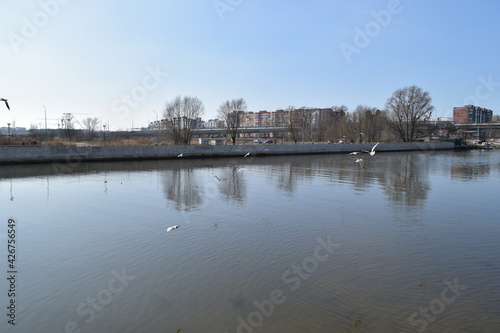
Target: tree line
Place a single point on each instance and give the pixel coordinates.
(398, 121)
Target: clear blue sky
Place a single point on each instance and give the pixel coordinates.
(87, 56)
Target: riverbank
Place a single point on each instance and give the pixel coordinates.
(41, 154)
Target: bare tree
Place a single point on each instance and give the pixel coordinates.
(333, 124)
(90, 126)
(232, 111)
(494, 132)
(181, 116)
(367, 124)
(305, 117)
(292, 124)
(405, 108)
(327, 118)
(278, 126)
(36, 132)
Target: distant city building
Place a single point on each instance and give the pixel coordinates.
(14, 131)
(181, 122)
(281, 118)
(264, 118)
(470, 114)
(215, 123)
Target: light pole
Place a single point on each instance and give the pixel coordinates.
(8, 125)
(104, 133)
(361, 137)
(477, 122)
(46, 134)
(157, 124)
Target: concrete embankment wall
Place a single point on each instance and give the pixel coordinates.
(41, 154)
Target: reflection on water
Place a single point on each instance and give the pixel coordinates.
(470, 172)
(406, 179)
(181, 186)
(404, 176)
(250, 255)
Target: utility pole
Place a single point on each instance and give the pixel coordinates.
(8, 125)
(157, 124)
(104, 133)
(46, 133)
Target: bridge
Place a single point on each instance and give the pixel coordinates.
(214, 132)
(478, 126)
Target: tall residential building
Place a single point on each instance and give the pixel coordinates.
(470, 114)
(280, 118)
(215, 123)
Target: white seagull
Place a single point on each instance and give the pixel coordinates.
(180, 155)
(355, 152)
(173, 227)
(372, 152)
(246, 155)
(360, 161)
(6, 103)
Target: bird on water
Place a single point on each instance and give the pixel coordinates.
(173, 227)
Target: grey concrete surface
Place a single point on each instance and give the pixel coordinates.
(41, 154)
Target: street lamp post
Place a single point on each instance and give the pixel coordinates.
(157, 124)
(477, 122)
(8, 133)
(104, 133)
(46, 133)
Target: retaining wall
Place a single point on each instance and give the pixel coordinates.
(41, 154)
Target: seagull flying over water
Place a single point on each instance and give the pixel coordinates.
(6, 103)
(372, 152)
(355, 152)
(173, 227)
(246, 155)
(360, 161)
(180, 155)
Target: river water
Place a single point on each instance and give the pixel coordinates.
(292, 244)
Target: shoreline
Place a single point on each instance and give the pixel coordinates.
(67, 154)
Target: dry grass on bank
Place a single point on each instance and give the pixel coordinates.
(29, 141)
(110, 141)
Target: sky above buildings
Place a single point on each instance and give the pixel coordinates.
(121, 61)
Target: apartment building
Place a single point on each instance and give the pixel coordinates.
(470, 114)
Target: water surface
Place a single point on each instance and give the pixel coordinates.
(275, 244)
